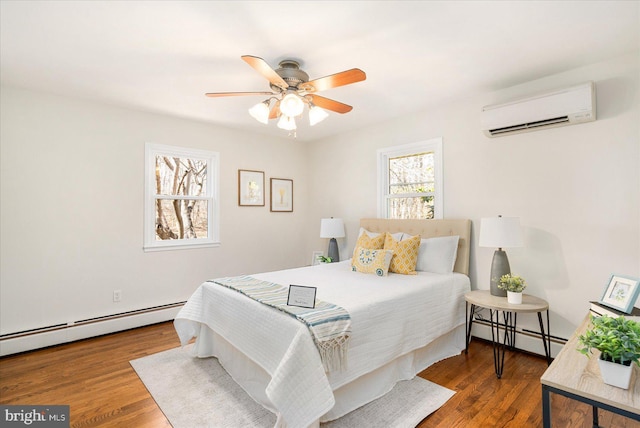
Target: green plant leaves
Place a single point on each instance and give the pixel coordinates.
(618, 339)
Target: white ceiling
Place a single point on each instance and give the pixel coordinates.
(162, 56)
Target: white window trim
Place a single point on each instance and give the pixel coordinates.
(212, 195)
(432, 145)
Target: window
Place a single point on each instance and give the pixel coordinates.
(181, 198)
(410, 181)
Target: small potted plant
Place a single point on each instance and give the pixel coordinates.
(618, 340)
(514, 285)
(325, 259)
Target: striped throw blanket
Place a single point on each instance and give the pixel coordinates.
(329, 324)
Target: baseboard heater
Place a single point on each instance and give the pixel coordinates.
(27, 340)
(527, 340)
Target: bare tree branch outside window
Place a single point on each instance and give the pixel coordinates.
(177, 215)
(411, 186)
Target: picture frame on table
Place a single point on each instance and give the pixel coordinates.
(281, 195)
(621, 293)
(250, 188)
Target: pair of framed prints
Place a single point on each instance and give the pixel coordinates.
(251, 191)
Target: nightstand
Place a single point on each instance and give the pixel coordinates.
(530, 304)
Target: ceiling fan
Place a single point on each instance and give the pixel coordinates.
(292, 90)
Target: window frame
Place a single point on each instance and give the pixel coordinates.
(384, 155)
(211, 195)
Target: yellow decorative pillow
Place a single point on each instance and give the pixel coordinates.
(405, 254)
(366, 260)
(364, 241)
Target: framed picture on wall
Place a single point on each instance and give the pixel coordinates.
(250, 188)
(281, 195)
(621, 293)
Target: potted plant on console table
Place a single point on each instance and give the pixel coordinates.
(514, 285)
(618, 340)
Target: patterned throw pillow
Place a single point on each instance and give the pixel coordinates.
(405, 254)
(364, 241)
(366, 260)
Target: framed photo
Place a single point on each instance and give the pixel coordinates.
(250, 188)
(314, 258)
(281, 195)
(301, 295)
(621, 293)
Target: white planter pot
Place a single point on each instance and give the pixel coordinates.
(615, 374)
(514, 298)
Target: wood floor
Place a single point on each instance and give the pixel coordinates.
(95, 378)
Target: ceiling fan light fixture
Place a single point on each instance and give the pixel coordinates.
(260, 112)
(316, 114)
(291, 89)
(291, 105)
(287, 123)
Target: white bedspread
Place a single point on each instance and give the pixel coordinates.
(390, 316)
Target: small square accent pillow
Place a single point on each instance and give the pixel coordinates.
(371, 242)
(405, 254)
(366, 260)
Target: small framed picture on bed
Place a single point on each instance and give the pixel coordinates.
(621, 293)
(281, 195)
(302, 296)
(250, 188)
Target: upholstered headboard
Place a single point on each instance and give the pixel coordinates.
(429, 229)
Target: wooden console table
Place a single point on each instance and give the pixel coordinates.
(575, 376)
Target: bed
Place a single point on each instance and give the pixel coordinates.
(400, 324)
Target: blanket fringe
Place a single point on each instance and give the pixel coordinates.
(334, 353)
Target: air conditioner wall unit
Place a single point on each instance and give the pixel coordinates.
(568, 106)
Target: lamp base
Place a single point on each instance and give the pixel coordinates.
(333, 250)
(499, 266)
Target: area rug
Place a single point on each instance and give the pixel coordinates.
(198, 392)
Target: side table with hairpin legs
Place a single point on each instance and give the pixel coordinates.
(530, 304)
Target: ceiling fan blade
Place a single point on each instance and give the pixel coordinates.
(236, 94)
(330, 104)
(333, 81)
(265, 69)
(275, 111)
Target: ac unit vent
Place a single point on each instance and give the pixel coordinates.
(568, 106)
(526, 126)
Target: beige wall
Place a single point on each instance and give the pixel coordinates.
(72, 210)
(576, 189)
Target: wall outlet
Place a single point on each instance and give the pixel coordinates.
(117, 295)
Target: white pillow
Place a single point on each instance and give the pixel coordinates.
(437, 255)
(397, 236)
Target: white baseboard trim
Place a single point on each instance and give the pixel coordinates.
(524, 341)
(13, 344)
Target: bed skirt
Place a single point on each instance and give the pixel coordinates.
(254, 379)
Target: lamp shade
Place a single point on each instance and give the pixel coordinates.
(331, 228)
(316, 115)
(260, 112)
(291, 105)
(287, 123)
(500, 232)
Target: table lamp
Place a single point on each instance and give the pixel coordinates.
(332, 228)
(500, 232)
